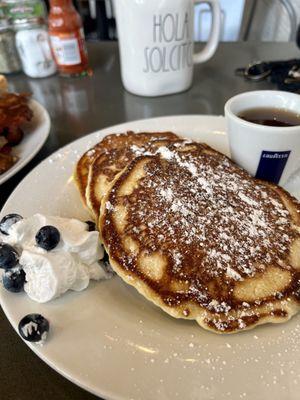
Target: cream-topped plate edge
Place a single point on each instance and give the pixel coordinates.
(36, 133)
(109, 340)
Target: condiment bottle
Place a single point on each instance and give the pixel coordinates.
(33, 46)
(67, 38)
(9, 59)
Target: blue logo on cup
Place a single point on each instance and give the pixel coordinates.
(271, 165)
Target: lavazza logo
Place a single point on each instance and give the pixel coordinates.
(163, 57)
(276, 155)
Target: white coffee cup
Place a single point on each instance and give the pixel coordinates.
(156, 44)
(266, 152)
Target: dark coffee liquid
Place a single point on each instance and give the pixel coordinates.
(270, 117)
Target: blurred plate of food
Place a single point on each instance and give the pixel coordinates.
(24, 128)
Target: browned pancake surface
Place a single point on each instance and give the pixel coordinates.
(81, 170)
(115, 154)
(202, 239)
(114, 143)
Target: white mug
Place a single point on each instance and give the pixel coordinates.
(156, 44)
(266, 152)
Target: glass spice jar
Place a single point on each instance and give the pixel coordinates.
(9, 59)
(32, 41)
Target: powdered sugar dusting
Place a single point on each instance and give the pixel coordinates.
(165, 153)
(109, 206)
(167, 194)
(231, 273)
(215, 227)
(215, 223)
(220, 212)
(247, 199)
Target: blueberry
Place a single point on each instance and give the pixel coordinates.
(47, 237)
(7, 221)
(91, 226)
(8, 256)
(13, 280)
(33, 327)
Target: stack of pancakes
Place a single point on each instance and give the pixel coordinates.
(193, 232)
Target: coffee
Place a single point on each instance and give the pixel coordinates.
(270, 116)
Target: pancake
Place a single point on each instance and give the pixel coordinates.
(81, 171)
(199, 237)
(114, 153)
(111, 145)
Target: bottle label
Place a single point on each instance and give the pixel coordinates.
(66, 48)
(25, 9)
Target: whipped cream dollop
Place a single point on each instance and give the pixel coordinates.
(70, 265)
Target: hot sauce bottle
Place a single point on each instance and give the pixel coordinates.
(67, 38)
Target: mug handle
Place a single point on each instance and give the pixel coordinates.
(212, 44)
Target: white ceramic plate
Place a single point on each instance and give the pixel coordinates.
(36, 133)
(111, 341)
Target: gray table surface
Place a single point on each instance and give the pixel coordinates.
(80, 106)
